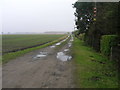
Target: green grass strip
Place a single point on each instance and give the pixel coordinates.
(92, 70)
(13, 55)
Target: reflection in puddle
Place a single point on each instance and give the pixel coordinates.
(58, 43)
(52, 46)
(61, 56)
(69, 44)
(41, 55)
(66, 50)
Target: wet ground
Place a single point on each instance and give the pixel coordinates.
(45, 68)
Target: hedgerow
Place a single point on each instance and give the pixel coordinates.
(107, 41)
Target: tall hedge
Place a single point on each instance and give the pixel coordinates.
(107, 41)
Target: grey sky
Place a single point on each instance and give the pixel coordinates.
(37, 15)
(98, 0)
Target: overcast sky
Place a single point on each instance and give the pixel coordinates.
(37, 15)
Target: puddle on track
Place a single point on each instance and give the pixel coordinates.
(69, 44)
(61, 56)
(65, 50)
(41, 55)
(44, 53)
(52, 46)
(59, 43)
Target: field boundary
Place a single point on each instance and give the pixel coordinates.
(26, 47)
(13, 55)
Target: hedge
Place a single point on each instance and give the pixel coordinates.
(107, 41)
(81, 36)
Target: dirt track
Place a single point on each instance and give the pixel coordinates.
(45, 72)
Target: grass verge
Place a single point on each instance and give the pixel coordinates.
(93, 70)
(13, 55)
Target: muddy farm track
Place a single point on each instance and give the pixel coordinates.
(42, 68)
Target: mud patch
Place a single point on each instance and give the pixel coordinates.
(61, 56)
(56, 74)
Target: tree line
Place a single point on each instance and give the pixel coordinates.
(97, 19)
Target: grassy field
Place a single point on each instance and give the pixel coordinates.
(93, 70)
(14, 42)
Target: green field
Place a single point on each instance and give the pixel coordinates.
(15, 42)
